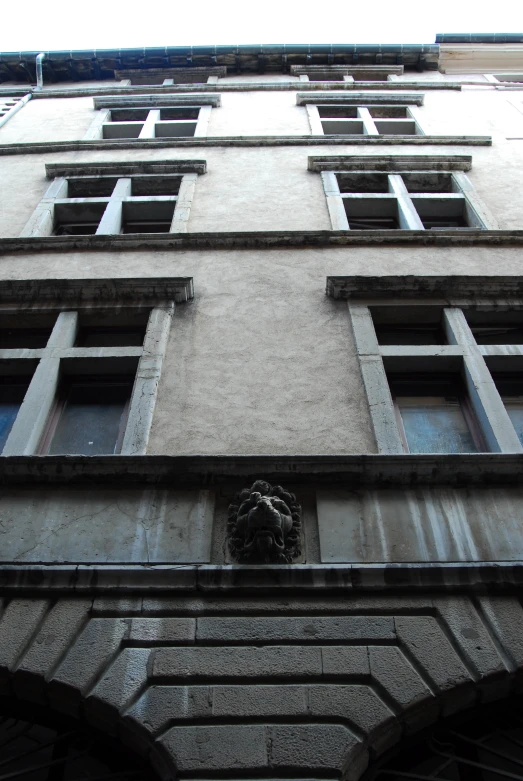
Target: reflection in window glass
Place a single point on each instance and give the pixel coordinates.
(435, 424)
(514, 406)
(90, 418)
(12, 393)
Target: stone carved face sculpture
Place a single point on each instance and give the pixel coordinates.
(264, 525)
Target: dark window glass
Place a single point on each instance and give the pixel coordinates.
(89, 417)
(12, 393)
(510, 387)
(435, 416)
(110, 337)
(31, 338)
(397, 334)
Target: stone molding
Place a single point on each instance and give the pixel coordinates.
(214, 579)
(219, 71)
(384, 470)
(225, 86)
(262, 240)
(45, 147)
(69, 291)
(127, 168)
(453, 288)
(156, 101)
(320, 685)
(359, 98)
(390, 163)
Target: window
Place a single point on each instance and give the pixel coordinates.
(345, 72)
(416, 199)
(368, 120)
(432, 385)
(151, 116)
(170, 76)
(117, 199)
(90, 385)
(434, 414)
(501, 77)
(89, 416)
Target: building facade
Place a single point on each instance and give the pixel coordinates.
(262, 411)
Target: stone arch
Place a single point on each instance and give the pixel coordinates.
(319, 689)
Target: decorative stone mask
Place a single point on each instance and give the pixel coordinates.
(264, 525)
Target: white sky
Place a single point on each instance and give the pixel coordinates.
(99, 24)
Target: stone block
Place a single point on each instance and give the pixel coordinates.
(57, 633)
(122, 681)
(19, 621)
(359, 706)
(159, 705)
(505, 616)
(111, 606)
(425, 640)
(85, 662)
(470, 635)
(390, 669)
(315, 747)
(259, 701)
(162, 631)
(345, 661)
(303, 629)
(281, 661)
(217, 748)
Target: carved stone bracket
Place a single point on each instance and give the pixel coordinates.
(264, 525)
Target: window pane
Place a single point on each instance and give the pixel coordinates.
(435, 424)
(12, 393)
(515, 413)
(92, 418)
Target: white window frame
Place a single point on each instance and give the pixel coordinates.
(364, 115)
(477, 213)
(462, 350)
(154, 104)
(41, 222)
(158, 295)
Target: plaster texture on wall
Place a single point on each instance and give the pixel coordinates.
(265, 188)
(261, 361)
(310, 685)
(431, 524)
(258, 114)
(107, 525)
(49, 119)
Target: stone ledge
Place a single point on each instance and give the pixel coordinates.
(390, 162)
(448, 288)
(207, 578)
(203, 471)
(162, 167)
(224, 86)
(47, 147)
(129, 101)
(96, 291)
(263, 240)
(358, 98)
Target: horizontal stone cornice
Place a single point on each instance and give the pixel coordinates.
(207, 470)
(307, 578)
(262, 240)
(109, 145)
(136, 101)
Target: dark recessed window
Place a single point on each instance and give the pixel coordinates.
(434, 414)
(110, 337)
(30, 338)
(510, 388)
(89, 416)
(408, 325)
(12, 394)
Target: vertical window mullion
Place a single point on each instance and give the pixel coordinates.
(111, 222)
(369, 127)
(40, 398)
(484, 397)
(148, 129)
(408, 217)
